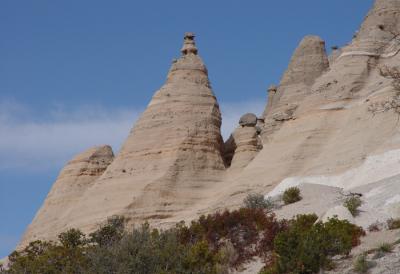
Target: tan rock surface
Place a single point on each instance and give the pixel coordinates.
(171, 155)
(75, 178)
(327, 127)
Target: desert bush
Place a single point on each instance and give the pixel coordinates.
(306, 246)
(361, 264)
(352, 204)
(72, 238)
(291, 195)
(258, 201)
(48, 257)
(149, 251)
(249, 230)
(214, 243)
(393, 224)
(110, 232)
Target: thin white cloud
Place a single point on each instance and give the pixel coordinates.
(31, 143)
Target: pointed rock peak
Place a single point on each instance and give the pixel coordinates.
(189, 67)
(380, 27)
(189, 45)
(308, 62)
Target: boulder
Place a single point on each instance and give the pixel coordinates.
(248, 120)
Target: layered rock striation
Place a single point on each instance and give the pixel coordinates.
(331, 122)
(174, 147)
(74, 180)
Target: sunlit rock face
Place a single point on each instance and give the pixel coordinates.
(174, 148)
(76, 177)
(330, 122)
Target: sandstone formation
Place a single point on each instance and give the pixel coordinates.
(244, 144)
(175, 147)
(75, 178)
(330, 127)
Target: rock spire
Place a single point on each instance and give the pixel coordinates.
(189, 45)
(174, 148)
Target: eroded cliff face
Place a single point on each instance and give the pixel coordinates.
(174, 148)
(331, 122)
(336, 129)
(74, 180)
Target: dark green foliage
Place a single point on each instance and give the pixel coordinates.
(306, 246)
(291, 195)
(210, 245)
(146, 251)
(72, 238)
(258, 201)
(110, 232)
(47, 257)
(393, 224)
(352, 204)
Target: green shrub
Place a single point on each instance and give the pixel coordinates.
(110, 232)
(291, 195)
(393, 224)
(352, 204)
(361, 264)
(258, 201)
(306, 246)
(72, 238)
(48, 257)
(215, 243)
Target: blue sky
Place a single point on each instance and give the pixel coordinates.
(75, 73)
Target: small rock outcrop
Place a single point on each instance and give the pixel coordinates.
(75, 178)
(244, 144)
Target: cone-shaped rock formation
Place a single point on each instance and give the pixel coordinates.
(175, 146)
(308, 62)
(75, 178)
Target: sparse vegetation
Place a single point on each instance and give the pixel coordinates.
(375, 227)
(382, 250)
(393, 224)
(258, 201)
(215, 243)
(385, 248)
(352, 204)
(306, 246)
(361, 264)
(291, 195)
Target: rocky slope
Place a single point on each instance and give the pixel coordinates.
(75, 178)
(330, 126)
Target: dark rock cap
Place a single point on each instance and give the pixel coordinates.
(248, 120)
